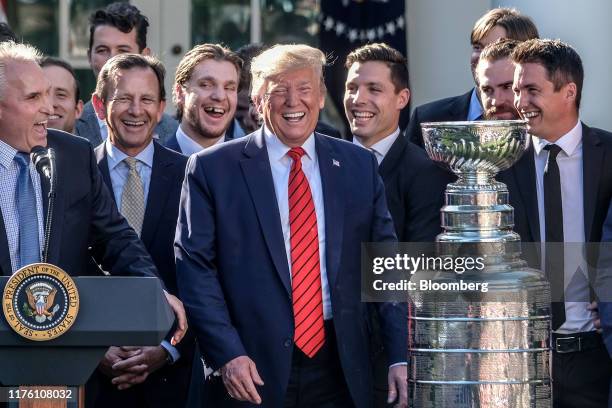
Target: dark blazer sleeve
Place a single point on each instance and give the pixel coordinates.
(197, 274)
(117, 247)
(393, 315)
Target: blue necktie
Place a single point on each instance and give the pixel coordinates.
(29, 246)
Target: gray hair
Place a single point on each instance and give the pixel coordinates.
(12, 51)
(283, 58)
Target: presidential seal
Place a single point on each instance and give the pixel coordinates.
(40, 302)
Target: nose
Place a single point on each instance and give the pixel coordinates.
(292, 97)
(359, 97)
(520, 100)
(47, 105)
(218, 93)
(135, 108)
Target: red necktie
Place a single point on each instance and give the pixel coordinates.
(305, 269)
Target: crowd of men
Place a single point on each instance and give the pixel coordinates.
(253, 216)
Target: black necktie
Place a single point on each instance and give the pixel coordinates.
(553, 214)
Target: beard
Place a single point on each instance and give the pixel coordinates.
(495, 112)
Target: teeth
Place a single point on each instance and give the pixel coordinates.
(214, 109)
(42, 123)
(131, 123)
(295, 115)
(52, 117)
(529, 115)
(363, 115)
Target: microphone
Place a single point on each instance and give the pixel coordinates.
(44, 160)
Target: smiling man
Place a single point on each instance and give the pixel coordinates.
(268, 251)
(65, 94)
(206, 95)
(145, 179)
(560, 190)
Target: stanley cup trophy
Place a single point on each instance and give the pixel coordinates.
(480, 349)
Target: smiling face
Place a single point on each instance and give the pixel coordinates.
(550, 114)
(66, 109)
(209, 99)
(495, 86)
(371, 103)
(109, 41)
(25, 106)
(133, 109)
(291, 103)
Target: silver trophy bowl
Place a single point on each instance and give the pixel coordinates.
(480, 349)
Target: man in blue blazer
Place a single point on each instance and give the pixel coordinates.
(130, 98)
(268, 264)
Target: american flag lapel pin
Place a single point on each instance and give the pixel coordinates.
(335, 162)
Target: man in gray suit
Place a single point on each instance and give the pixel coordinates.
(117, 29)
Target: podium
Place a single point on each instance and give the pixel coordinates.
(114, 311)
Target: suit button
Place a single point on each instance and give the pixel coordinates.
(288, 343)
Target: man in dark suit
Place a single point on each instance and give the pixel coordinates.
(495, 24)
(83, 215)
(560, 190)
(268, 263)
(145, 179)
(376, 91)
(206, 95)
(117, 29)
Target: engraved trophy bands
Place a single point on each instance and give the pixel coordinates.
(40, 302)
(480, 349)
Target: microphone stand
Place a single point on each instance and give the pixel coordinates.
(52, 183)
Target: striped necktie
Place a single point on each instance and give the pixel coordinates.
(305, 268)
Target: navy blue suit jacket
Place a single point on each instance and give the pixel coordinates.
(232, 266)
(167, 386)
(84, 215)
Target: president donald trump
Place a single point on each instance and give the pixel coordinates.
(268, 251)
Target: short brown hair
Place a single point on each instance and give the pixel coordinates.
(518, 26)
(125, 62)
(499, 49)
(386, 54)
(562, 63)
(192, 58)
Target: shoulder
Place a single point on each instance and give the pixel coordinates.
(603, 135)
(441, 104)
(344, 147)
(58, 139)
(170, 155)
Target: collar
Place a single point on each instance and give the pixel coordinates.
(568, 142)
(116, 156)
(475, 109)
(7, 154)
(190, 146)
(277, 150)
(383, 146)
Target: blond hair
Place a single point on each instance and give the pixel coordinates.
(283, 58)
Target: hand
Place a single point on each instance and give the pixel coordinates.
(596, 319)
(136, 369)
(240, 377)
(114, 355)
(179, 311)
(398, 382)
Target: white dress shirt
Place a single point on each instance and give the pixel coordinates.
(382, 147)
(9, 173)
(188, 145)
(569, 160)
(280, 164)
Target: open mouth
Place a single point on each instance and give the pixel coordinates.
(294, 116)
(41, 126)
(133, 123)
(530, 115)
(362, 116)
(214, 111)
(54, 117)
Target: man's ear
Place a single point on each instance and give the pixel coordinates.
(403, 98)
(98, 106)
(79, 109)
(145, 51)
(571, 90)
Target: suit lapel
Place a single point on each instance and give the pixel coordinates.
(592, 159)
(330, 167)
(160, 184)
(88, 125)
(258, 177)
(102, 161)
(525, 179)
(460, 108)
(5, 256)
(393, 156)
